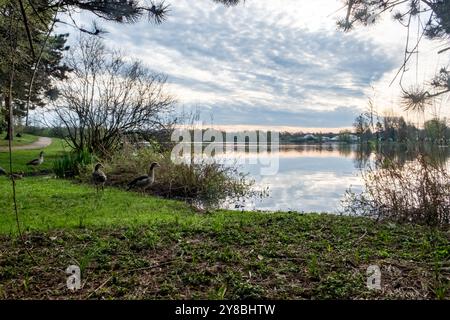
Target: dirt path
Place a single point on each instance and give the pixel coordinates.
(42, 142)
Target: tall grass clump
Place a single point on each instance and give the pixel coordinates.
(206, 184)
(72, 164)
(415, 192)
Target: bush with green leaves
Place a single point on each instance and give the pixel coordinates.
(72, 164)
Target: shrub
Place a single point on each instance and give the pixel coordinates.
(206, 184)
(72, 164)
(125, 96)
(417, 191)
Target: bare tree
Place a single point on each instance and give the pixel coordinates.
(107, 96)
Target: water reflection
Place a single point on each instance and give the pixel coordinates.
(315, 177)
(402, 154)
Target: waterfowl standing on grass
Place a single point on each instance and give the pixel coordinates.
(145, 181)
(98, 176)
(17, 176)
(38, 161)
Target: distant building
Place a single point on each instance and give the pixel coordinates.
(336, 138)
(310, 137)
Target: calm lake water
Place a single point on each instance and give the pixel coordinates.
(314, 178)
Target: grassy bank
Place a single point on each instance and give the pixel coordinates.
(23, 140)
(130, 247)
(21, 157)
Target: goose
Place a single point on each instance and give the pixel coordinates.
(17, 176)
(38, 161)
(145, 181)
(98, 176)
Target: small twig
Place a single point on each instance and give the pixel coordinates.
(443, 50)
(360, 238)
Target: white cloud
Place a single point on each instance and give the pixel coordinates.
(273, 61)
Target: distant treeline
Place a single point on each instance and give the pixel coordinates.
(396, 129)
(383, 129)
(53, 132)
(134, 137)
(345, 136)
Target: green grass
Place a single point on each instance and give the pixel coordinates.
(134, 247)
(25, 139)
(48, 203)
(21, 157)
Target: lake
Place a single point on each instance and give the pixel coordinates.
(314, 178)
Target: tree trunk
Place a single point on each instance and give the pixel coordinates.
(9, 118)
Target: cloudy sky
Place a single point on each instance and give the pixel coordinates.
(272, 63)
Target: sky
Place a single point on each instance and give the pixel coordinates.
(273, 63)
